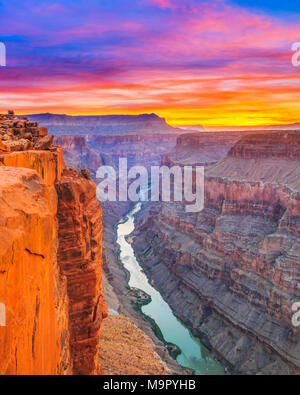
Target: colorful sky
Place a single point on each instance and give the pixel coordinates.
(215, 63)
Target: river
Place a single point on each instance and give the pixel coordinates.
(193, 355)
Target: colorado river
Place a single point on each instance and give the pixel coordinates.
(193, 355)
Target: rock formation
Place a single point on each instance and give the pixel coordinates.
(80, 253)
(234, 267)
(18, 134)
(203, 149)
(35, 339)
(78, 155)
(50, 257)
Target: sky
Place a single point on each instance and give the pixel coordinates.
(214, 63)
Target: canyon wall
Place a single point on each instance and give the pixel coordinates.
(203, 149)
(117, 343)
(139, 149)
(78, 155)
(80, 256)
(231, 272)
(200, 148)
(50, 257)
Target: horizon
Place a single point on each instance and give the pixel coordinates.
(181, 60)
(205, 128)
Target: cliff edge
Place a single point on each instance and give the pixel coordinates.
(50, 257)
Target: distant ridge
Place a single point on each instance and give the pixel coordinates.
(199, 128)
(102, 124)
(95, 118)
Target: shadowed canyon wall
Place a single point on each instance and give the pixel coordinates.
(231, 272)
(140, 149)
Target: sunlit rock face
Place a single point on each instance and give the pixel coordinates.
(231, 272)
(35, 338)
(52, 321)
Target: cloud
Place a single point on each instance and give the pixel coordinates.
(184, 59)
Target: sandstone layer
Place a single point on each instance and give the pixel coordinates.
(232, 271)
(52, 320)
(35, 338)
(80, 259)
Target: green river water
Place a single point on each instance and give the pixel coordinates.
(193, 355)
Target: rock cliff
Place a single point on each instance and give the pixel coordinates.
(204, 148)
(235, 265)
(50, 257)
(80, 254)
(78, 155)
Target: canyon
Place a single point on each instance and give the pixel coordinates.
(231, 272)
(51, 285)
(140, 149)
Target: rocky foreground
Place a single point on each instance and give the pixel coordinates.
(126, 350)
(232, 272)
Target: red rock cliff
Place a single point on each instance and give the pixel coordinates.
(79, 256)
(50, 258)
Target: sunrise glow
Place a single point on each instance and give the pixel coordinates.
(192, 62)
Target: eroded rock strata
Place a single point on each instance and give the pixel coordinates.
(50, 257)
(232, 271)
(80, 260)
(78, 155)
(204, 148)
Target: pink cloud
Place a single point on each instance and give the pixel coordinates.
(192, 60)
